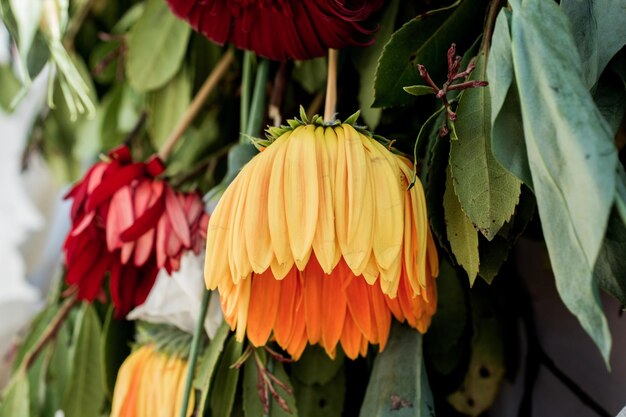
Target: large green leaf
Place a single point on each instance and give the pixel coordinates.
(398, 385)
(571, 155)
(599, 32)
(225, 385)
(15, 397)
(167, 105)
(316, 367)
(311, 74)
(507, 135)
(207, 365)
(321, 400)
(85, 391)
(461, 233)
(487, 192)
(424, 40)
(366, 62)
(58, 373)
(156, 47)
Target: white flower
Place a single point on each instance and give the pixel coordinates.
(176, 299)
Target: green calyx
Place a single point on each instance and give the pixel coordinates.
(167, 339)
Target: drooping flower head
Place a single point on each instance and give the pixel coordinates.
(150, 383)
(281, 29)
(319, 240)
(128, 223)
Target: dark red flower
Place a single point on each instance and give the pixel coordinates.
(130, 224)
(281, 29)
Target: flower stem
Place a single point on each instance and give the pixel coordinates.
(191, 112)
(50, 332)
(331, 86)
(195, 350)
(256, 118)
(246, 87)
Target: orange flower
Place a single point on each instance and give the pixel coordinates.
(150, 383)
(319, 240)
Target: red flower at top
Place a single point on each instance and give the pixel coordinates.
(128, 223)
(281, 29)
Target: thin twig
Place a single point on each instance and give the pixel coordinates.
(331, 86)
(191, 112)
(50, 332)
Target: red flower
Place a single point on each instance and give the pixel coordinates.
(130, 223)
(281, 29)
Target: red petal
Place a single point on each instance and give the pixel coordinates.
(177, 217)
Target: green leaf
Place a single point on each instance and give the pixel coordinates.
(27, 14)
(599, 32)
(610, 98)
(116, 338)
(10, 87)
(366, 62)
(507, 140)
(252, 404)
(311, 74)
(85, 392)
(610, 269)
(225, 385)
(573, 172)
(321, 400)
(58, 372)
(446, 344)
(15, 397)
(207, 365)
(398, 385)
(493, 254)
(37, 328)
(316, 367)
(487, 368)
(424, 40)
(156, 47)
(487, 192)
(167, 105)
(419, 90)
(461, 234)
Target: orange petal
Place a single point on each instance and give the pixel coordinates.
(333, 310)
(359, 305)
(284, 323)
(264, 302)
(382, 315)
(351, 338)
(312, 278)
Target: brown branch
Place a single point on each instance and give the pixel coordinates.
(331, 86)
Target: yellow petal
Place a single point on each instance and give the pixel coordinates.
(324, 241)
(216, 266)
(353, 200)
(301, 193)
(243, 302)
(276, 203)
(237, 253)
(389, 205)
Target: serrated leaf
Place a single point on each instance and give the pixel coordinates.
(85, 392)
(418, 90)
(487, 192)
(315, 367)
(424, 40)
(573, 172)
(167, 105)
(366, 62)
(156, 47)
(599, 32)
(225, 385)
(486, 369)
(15, 397)
(507, 140)
(207, 366)
(321, 400)
(398, 385)
(461, 234)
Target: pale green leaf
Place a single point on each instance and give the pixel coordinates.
(156, 47)
(225, 384)
(207, 366)
(599, 32)
(27, 14)
(311, 74)
(610, 268)
(419, 90)
(15, 397)
(461, 233)
(167, 105)
(398, 385)
(571, 155)
(487, 192)
(85, 391)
